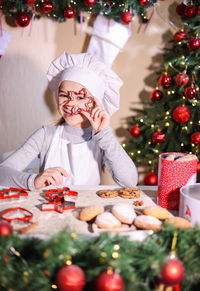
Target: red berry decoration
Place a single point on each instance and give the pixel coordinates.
(181, 114)
(70, 278)
(22, 19)
(135, 130)
(195, 138)
(180, 35)
(165, 81)
(156, 95)
(144, 2)
(126, 17)
(172, 272)
(198, 167)
(190, 11)
(30, 1)
(182, 79)
(151, 179)
(180, 9)
(69, 12)
(109, 281)
(158, 137)
(193, 44)
(5, 228)
(47, 6)
(191, 92)
(89, 3)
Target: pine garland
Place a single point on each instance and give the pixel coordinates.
(31, 264)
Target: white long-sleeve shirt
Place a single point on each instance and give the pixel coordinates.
(114, 157)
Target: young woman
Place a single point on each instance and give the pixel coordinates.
(74, 151)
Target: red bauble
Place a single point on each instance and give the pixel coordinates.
(151, 179)
(180, 35)
(172, 272)
(182, 79)
(191, 92)
(190, 11)
(22, 19)
(135, 130)
(165, 81)
(109, 281)
(158, 137)
(193, 44)
(30, 1)
(89, 3)
(198, 167)
(199, 10)
(180, 9)
(70, 278)
(156, 95)
(126, 17)
(144, 2)
(181, 114)
(47, 6)
(69, 12)
(195, 138)
(5, 228)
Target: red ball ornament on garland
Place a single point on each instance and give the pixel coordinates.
(47, 6)
(69, 13)
(156, 95)
(109, 281)
(5, 228)
(182, 79)
(158, 137)
(198, 167)
(165, 81)
(190, 11)
(89, 3)
(30, 1)
(126, 17)
(135, 130)
(172, 272)
(180, 9)
(70, 278)
(151, 179)
(180, 35)
(193, 44)
(191, 92)
(195, 138)
(22, 19)
(181, 114)
(144, 2)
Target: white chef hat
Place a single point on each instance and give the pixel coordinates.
(91, 73)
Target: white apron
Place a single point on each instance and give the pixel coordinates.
(82, 162)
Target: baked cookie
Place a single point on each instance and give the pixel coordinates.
(147, 222)
(124, 213)
(178, 222)
(129, 192)
(107, 193)
(156, 211)
(107, 220)
(90, 212)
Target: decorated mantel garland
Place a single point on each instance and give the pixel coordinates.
(22, 11)
(67, 261)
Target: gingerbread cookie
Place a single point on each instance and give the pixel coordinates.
(90, 212)
(107, 193)
(156, 211)
(178, 222)
(147, 222)
(129, 192)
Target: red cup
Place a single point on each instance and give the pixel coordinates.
(172, 175)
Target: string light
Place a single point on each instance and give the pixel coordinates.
(167, 124)
(132, 154)
(116, 247)
(149, 142)
(53, 286)
(191, 122)
(167, 113)
(150, 162)
(139, 152)
(115, 255)
(152, 126)
(182, 144)
(141, 120)
(124, 145)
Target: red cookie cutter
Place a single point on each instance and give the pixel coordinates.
(25, 218)
(8, 193)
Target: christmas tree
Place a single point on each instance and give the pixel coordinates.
(170, 120)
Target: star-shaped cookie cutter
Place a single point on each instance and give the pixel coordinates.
(13, 193)
(60, 200)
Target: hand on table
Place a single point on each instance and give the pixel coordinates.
(98, 117)
(50, 176)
